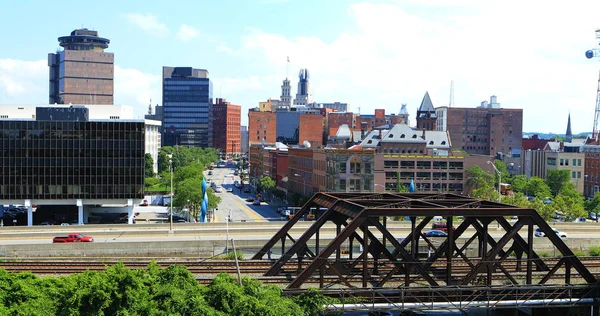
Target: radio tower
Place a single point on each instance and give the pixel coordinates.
(451, 102)
(591, 54)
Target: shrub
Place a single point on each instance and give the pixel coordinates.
(594, 251)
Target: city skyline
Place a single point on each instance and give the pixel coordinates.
(367, 54)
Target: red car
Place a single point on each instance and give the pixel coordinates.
(73, 237)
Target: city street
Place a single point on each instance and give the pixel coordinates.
(235, 202)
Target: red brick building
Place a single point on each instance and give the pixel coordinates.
(484, 131)
(226, 124)
(311, 128)
(337, 119)
(534, 143)
(261, 126)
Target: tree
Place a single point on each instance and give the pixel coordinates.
(266, 184)
(519, 183)
(593, 205)
(149, 166)
(480, 184)
(557, 179)
(400, 188)
(570, 207)
(538, 188)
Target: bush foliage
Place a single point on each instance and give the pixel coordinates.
(152, 291)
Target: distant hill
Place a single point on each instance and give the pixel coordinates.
(551, 135)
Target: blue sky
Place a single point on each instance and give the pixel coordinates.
(370, 54)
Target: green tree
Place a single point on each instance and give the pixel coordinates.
(501, 166)
(569, 206)
(538, 188)
(518, 199)
(593, 205)
(149, 166)
(266, 183)
(478, 178)
(557, 179)
(519, 183)
(150, 182)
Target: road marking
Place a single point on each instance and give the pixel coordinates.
(248, 210)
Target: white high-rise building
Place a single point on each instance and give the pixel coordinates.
(286, 93)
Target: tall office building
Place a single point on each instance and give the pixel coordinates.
(286, 93)
(83, 72)
(303, 94)
(226, 121)
(187, 107)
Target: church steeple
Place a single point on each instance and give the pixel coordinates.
(426, 118)
(569, 134)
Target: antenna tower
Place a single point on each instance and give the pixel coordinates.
(451, 102)
(595, 52)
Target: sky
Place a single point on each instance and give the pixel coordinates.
(369, 54)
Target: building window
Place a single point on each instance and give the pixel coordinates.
(342, 167)
(367, 185)
(573, 175)
(574, 160)
(367, 168)
(562, 162)
(354, 184)
(343, 185)
(578, 163)
(578, 174)
(551, 161)
(355, 167)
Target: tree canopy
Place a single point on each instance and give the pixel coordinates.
(557, 179)
(152, 291)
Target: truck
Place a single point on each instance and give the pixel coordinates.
(73, 237)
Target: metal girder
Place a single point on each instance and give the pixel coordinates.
(360, 213)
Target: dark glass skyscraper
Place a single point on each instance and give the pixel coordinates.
(187, 105)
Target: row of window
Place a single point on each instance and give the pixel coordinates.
(565, 162)
(422, 164)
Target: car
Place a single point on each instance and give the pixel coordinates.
(593, 216)
(210, 173)
(580, 220)
(257, 203)
(247, 190)
(435, 233)
(236, 173)
(144, 203)
(540, 233)
(250, 199)
(73, 237)
(65, 224)
(230, 190)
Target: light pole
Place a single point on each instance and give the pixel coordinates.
(378, 185)
(171, 210)
(499, 177)
(227, 219)
(189, 210)
(303, 183)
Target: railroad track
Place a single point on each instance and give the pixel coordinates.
(205, 270)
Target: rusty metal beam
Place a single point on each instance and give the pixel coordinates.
(283, 232)
(325, 253)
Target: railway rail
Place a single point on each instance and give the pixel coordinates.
(207, 269)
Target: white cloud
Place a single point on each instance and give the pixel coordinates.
(187, 33)
(135, 88)
(528, 54)
(149, 23)
(22, 80)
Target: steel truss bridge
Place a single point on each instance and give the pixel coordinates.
(460, 271)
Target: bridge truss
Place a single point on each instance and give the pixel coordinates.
(469, 256)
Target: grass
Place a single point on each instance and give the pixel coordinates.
(230, 255)
(158, 188)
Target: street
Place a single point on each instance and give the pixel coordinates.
(235, 202)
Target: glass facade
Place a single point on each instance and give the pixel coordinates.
(187, 105)
(71, 160)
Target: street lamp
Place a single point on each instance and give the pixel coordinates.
(171, 211)
(227, 220)
(303, 183)
(380, 185)
(189, 210)
(499, 177)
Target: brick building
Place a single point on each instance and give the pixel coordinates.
(261, 126)
(483, 130)
(311, 127)
(337, 119)
(227, 124)
(82, 73)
